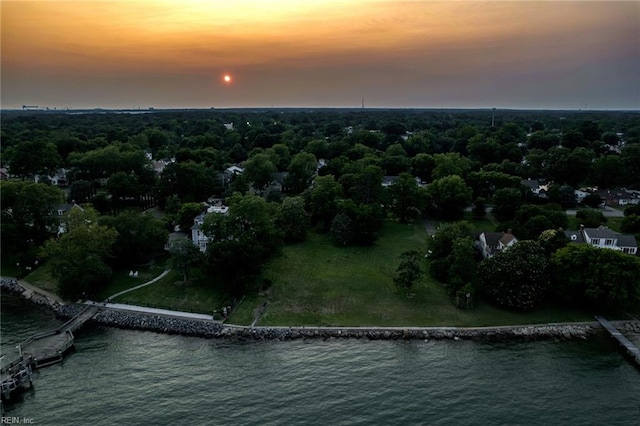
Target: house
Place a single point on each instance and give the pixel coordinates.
(229, 173)
(619, 197)
(535, 187)
(173, 238)
(59, 213)
(491, 243)
(197, 235)
(59, 178)
(580, 195)
(603, 237)
(4, 173)
(387, 181)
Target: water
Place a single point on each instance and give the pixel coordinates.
(141, 378)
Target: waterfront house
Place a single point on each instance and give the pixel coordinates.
(198, 238)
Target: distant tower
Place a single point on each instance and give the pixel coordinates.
(362, 103)
(493, 118)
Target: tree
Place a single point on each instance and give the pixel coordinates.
(592, 200)
(280, 156)
(293, 220)
(301, 171)
(27, 209)
(184, 257)
(422, 166)
(450, 196)
(484, 183)
(323, 200)
(599, 278)
(186, 214)
(479, 207)
(356, 223)
(607, 172)
(506, 202)
(241, 241)
(80, 191)
(190, 182)
(140, 236)
(367, 184)
(450, 163)
(342, 229)
(409, 270)
(631, 224)
(79, 259)
(258, 169)
(552, 240)
(631, 159)
(34, 157)
(123, 185)
(462, 265)
(440, 246)
(404, 198)
(564, 195)
(516, 278)
(591, 218)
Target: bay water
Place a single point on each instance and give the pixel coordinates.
(126, 377)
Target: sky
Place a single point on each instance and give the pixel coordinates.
(320, 53)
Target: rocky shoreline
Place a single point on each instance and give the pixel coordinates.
(11, 286)
(213, 329)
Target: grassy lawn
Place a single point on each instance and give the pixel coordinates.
(316, 283)
(122, 280)
(613, 223)
(477, 224)
(43, 279)
(200, 295)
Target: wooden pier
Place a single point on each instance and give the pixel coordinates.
(631, 349)
(41, 350)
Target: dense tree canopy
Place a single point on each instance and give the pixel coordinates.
(79, 258)
(450, 196)
(241, 241)
(600, 278)
(516, 278)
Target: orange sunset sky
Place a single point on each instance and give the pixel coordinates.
(333, 53)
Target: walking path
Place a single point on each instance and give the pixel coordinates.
(155, 311)
(30, 289)
(159, 277)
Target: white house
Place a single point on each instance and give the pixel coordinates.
(197, 235)
(491, 243)
(59, 178)
(604, 237)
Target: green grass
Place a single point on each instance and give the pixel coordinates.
(199, 295)
(43, 279)
(122, 280)
(613, 223)
(316, 283)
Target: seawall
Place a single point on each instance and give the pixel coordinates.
(214, 329)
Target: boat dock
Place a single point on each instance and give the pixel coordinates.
(41, 350)
(631, 349)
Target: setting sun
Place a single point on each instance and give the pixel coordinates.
(226, 78)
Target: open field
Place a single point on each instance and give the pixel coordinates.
(317, 283)
(171, 293)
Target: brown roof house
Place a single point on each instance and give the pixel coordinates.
(491, 243)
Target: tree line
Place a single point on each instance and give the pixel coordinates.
(376, 164)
